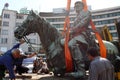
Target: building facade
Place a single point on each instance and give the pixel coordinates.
(107, 17)
(12, 19)
(0, 23)
(101, 18)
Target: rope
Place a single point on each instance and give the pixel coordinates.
(28, 42)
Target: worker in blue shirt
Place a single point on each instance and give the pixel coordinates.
(7, 61)
(18, 63)
(21, 41)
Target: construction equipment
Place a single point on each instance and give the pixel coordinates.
(117, 23)
(106, 34)
(117, 43)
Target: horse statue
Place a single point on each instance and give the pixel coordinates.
(50, 39)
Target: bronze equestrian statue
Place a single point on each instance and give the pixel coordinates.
(53, 42)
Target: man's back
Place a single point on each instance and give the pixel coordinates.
(103, 68)
(4, 59)
(7, 61)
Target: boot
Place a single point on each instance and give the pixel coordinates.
(78, 63)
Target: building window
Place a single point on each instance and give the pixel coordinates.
(18, 24)
(19, 16)
(71, 19)
(55, 20)
(4, 32)
(58, 25)
(106, 15)
(98, 23)
(5, 23)
(105, 22)
(3, 40)
(118, 14)
(111, 21)
(112, 28)
(114, 34)
(7, 16)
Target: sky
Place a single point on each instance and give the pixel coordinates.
(48, 5)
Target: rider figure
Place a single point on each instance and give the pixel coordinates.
(78, 35)
(81, 22)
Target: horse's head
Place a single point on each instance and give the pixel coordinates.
(27, 26)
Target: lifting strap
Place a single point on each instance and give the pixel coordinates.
(68, 58)
(28, 42)
(101, 44)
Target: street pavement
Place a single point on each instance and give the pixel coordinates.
(34, 76)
